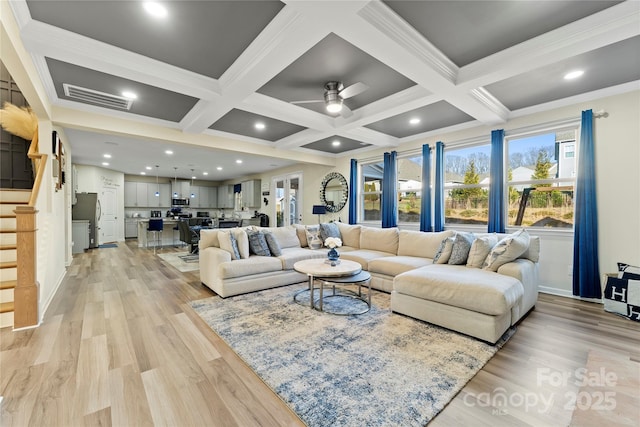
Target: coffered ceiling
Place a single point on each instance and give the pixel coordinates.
(233, 71)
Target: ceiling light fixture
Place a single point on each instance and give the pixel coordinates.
(169, 152)
(157, 183)
(193, 195)
(155, 9)
(260, 126)
(175, 178)
(334, 105)
(129, 94)
(219, 168)
(205, 173)
(105, 164)
(143, 173)
(414, 121)
(335, 143)
(106, 156)
(238, 161)
(148, 168)
(573, 74)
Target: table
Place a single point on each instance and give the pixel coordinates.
(345, 273)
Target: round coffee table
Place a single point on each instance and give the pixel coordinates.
(345, 273)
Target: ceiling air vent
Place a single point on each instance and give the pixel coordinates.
(97, 98)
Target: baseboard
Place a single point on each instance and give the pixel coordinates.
(566, 294)
(46, 304)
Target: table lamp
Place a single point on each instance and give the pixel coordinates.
(319, 210)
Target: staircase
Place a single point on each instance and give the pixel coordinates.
(9, 200)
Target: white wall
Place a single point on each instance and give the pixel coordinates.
(617, 149)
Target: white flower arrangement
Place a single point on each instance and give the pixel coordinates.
(333, 242)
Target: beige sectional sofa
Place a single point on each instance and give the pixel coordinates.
(471, 300)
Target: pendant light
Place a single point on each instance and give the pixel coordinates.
(157, 183)
(192, 193)
(175, 178)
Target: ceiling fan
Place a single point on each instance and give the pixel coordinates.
(334, 95)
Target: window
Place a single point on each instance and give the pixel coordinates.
(372, 175)
(466, 185)
(541, 173)
(409, 188)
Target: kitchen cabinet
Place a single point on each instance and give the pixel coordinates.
(161, 201)
(130, 228)
(225, 197)
(180, 189)
(252, 193)
(204, 197)
(143, 195)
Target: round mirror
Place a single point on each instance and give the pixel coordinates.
(334, 192)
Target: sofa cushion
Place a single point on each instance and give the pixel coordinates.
(252, 265)
(444, 251)
(507, 250)
(313, 236)
(329, 229)
(350, 234)
(421, 244)
(456, 285)
(460, 249)
(290, 256)
(480, 248)
(533, 251)
(394, 265)
(287, 237)
(274, 247)
(363, 256)
(258, 243)
(379, 239)
(208, 238)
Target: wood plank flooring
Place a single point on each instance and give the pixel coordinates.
(120, 346)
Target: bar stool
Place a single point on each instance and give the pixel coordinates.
(155, 228)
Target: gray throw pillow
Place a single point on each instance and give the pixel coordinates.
(461, 248)
(329, 229)
(258, 243)
(444, 251)
(274, 246)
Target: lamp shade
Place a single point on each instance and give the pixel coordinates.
(319, 210)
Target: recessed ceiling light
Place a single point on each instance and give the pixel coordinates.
(148, 168)
(335, 143)
(205, 173)
(106, 156)
(260, 126)
(193, 177)
(105, 163)
(573, 74)
(238, 161)
(414, 121)
(219, 168)
(143, 173)
(169, 152)
(129, 94)
(155, 9)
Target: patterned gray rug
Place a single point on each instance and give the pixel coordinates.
(376, 369)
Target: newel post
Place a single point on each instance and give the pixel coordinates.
(25, 294)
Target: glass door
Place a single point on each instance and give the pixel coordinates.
(288, 199)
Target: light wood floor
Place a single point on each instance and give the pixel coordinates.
(120, 346)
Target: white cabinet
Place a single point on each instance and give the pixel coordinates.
(143, 195)
(204, 197)
(252, 194)
(130, 195)
(180, 189)
(163, 200)
(130, 228)
(213, 197)
(225, 197)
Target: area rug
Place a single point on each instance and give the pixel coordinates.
(173, 258)
(107, 245)
(375, 369)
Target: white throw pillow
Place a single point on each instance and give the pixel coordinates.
(242, 240)
(313, 236)
(444, 251)
(228, 243)
(507, 250)
(480, 248)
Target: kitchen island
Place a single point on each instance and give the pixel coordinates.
(170, 236)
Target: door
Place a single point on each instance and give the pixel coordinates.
(288, 199)
(107, 215)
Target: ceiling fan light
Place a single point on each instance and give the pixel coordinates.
(334, 106)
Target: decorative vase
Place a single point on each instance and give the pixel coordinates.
(333, 254)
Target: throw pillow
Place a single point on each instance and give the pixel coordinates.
(313, 236)
(228, 243)
(507, 250)
(480, 248)
(329, 229)
(626, 271)
(272, 242)
(242, 241)
(258, 243)
(444, 251)
(461, 248)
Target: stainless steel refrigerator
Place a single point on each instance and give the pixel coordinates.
(88, 207)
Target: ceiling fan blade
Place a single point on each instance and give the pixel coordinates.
(346, 111)
(353, 90)
(309, 101)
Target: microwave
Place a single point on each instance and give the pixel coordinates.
(179, 202)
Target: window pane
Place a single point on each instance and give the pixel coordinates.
(372, 191)
(409, 189)
(467, 185)
(549, 157)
